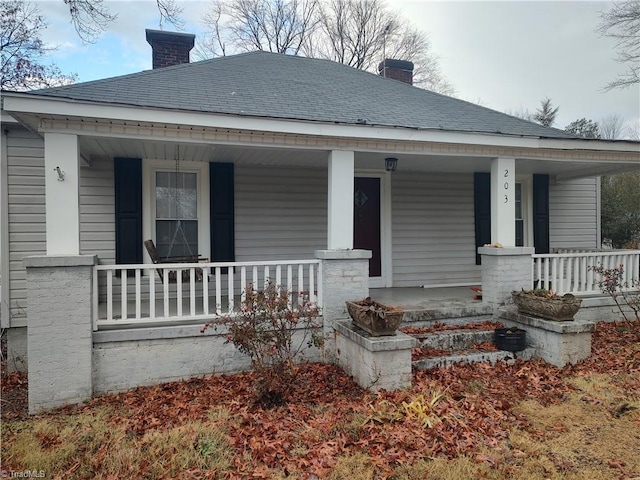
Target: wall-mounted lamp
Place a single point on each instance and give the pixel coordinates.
(60, 174)
(390, 164)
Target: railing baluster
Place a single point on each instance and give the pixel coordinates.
(205, 290)
(179, 293)
(312, 287)
(218, 292)
(278, 275)
(243, 284)
(152, 294)
(109, 294)
(266, 275)
(290, 283)
(192, 291)
(300, 280)
(123, 293)
(138, 293)
(255, 277)
(320, 299)
(231, 293)
(165, 292)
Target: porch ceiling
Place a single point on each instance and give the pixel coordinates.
(253, 155)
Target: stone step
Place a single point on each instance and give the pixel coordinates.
(466, 311)
(449, 321)
(454, 339)
(475, 357)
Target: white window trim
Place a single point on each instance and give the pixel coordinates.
(527, 207)
(385, 279)
(149, 169)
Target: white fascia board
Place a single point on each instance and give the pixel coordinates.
(25, 103)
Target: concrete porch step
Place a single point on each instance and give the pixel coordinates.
(476, 357)
(467, 312)
(454, 339)
(460, 342)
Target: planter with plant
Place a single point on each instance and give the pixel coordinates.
(546, 304)
(375, 318)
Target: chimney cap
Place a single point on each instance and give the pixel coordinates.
(398, 64)
(187, 39)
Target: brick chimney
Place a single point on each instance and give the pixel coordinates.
(169, 48)
(400, 70)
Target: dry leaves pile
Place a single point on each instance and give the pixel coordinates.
(462, 410)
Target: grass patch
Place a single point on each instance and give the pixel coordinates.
(590, 435)
(90, 445)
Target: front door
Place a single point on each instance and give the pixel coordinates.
(366, 223)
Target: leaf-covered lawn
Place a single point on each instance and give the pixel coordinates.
(526, 420)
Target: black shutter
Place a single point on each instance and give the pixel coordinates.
(541, 213)
(482, 206)
(128, 203)
(222, 212)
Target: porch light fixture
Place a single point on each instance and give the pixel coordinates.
(390, 164)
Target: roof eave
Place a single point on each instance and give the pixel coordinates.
(21, 105)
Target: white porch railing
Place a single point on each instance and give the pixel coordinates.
(133, 294)
(572, 272)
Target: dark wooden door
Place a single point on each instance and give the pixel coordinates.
(366, 223)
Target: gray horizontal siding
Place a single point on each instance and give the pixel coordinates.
(433, 229)
(573, 214)
(97, 210)
(280, 212)
(25, 185)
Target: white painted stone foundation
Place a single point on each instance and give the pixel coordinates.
(59, 330)
(503, 271)
(374, 362)
(345, 276)
(125, 359)
(559, 343)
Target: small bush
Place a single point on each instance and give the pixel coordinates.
(612, 283)
(273, 330)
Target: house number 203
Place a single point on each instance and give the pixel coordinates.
(506, 186)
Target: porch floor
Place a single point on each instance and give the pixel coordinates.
(418, 298)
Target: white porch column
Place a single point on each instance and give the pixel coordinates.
(503, 208)
(340, 207)
(62, 193)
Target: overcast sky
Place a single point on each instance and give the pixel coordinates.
(504, 55)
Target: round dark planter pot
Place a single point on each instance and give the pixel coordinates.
(510, 339)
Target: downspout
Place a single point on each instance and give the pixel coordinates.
(598, 212)
(5, 320)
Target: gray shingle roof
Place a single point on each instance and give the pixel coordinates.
(272, 85)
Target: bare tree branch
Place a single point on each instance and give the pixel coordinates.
(89, 17)
(22, 51)
(611, 127)
(170, 12)
(358, 33)
(280, 26)
(622, 23)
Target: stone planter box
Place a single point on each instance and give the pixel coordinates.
(556, 308)
(375, 318)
